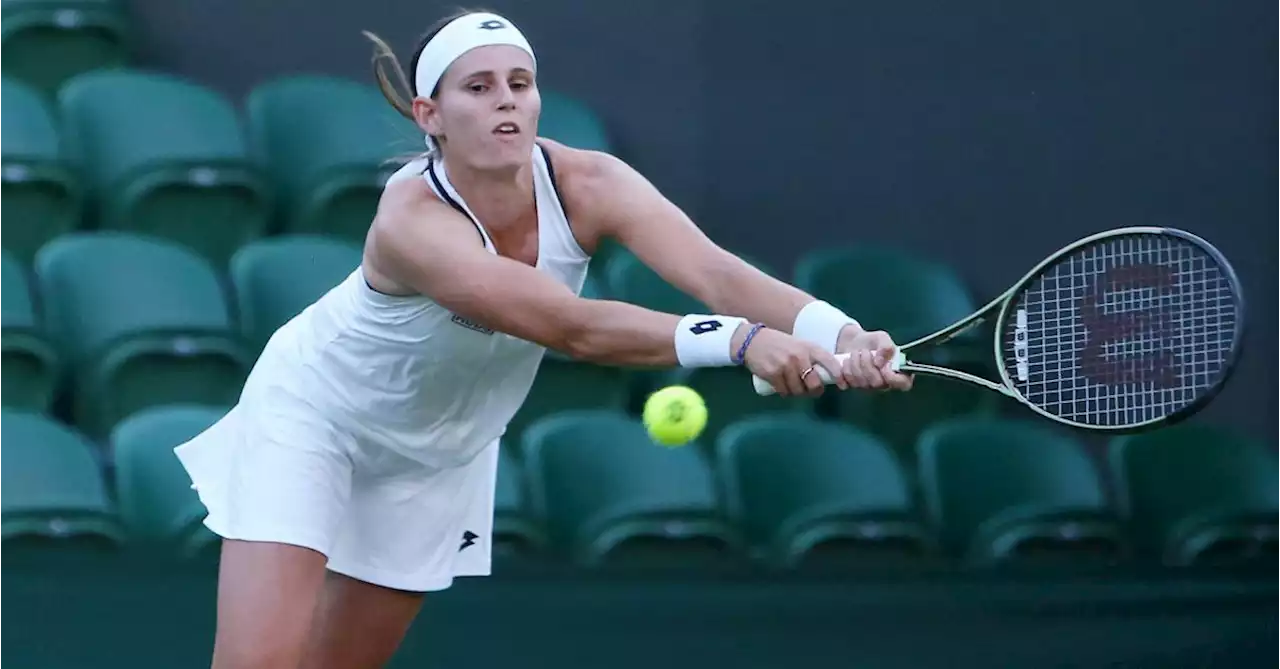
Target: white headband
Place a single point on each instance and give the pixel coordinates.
(458, 37)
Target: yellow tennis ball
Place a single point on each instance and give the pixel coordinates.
(675, 415)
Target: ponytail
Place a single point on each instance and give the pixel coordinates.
(390, 75)
(385, 67)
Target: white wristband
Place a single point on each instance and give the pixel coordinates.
(704, 340)
(820, 323)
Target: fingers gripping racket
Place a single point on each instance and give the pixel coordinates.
(1126, 329)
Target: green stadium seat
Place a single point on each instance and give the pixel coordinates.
(571, 122)
(165, 157)
(515, 532)
(1000, 491)
(331, 162)
(610, 496)
(726, 390)
(41, 192)
(53, 495)
(1196, 494)
(563, 384)
(144, 321)
(908, 297)
(627, 278)
(47, 42)
(274, 279)
(31, 365)
(807, 492)
(153, 492)
(604, 252)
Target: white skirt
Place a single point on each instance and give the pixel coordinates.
(273, 469)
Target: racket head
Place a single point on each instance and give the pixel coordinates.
(1123, 331)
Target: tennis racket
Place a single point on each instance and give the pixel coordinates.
(1124, 330)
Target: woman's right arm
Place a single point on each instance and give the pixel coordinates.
(428, 246)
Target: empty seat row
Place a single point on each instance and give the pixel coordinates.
(133, 320)
(130, 321)
(131, 150)
(787, 490)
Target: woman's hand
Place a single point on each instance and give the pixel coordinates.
(868, 363)
(790, 365)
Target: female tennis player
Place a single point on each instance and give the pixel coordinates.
(358, 469)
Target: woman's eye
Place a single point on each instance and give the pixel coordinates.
(476, 88)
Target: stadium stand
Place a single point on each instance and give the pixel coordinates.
(158, 233)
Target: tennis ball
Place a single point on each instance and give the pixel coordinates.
(675, 415)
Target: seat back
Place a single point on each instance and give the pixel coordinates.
(330, 162)
(275, 279)
(1194, 491)
(41, 197)
(153, 491)
(798, 486)
(913, 296)
(101, 287)
(52, 489)
(570, 121)
(47, 42)
(608, 493)
(145, 321)
(31, 364)
(166, 157)
(516, 532)
(994, 488)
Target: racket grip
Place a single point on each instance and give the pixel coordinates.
(765, 388)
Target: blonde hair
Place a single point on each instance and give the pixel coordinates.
(389, 74)
(386, 65)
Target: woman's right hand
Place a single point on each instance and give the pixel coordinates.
(789, 364)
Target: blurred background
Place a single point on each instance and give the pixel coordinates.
(179, 178)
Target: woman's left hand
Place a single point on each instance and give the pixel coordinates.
(868, 363)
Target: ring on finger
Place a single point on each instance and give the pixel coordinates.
(805, 374)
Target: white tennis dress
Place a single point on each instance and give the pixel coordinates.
(368, 429)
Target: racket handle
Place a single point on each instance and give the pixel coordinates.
(765, 388)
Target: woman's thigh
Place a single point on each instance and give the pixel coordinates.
(358, 625)
(267, 596)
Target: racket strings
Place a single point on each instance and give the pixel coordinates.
(1125, 331)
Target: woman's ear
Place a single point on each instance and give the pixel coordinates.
(426, 112)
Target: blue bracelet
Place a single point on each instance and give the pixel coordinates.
(742, 351)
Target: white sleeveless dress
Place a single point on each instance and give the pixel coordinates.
(368, 429)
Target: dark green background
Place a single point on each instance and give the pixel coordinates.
(143, 614)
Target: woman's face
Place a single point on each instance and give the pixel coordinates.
(487, 108)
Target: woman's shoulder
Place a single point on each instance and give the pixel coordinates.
(584, 177)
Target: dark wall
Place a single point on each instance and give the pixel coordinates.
(985, 133)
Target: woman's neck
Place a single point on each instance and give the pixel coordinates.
(499, 198)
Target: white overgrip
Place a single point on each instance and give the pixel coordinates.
(765, 388)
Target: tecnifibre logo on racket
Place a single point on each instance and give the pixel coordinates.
(1021, 350)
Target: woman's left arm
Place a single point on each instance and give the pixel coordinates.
(626, 206)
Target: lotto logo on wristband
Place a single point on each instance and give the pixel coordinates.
(703, 340)
(705, 327)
